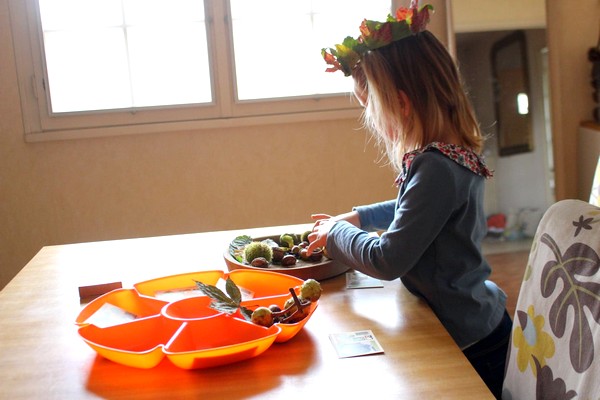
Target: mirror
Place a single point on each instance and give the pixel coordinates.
(511, 94)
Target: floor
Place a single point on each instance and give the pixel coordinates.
(494, 246)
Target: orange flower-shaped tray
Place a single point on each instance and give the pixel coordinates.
(169, 317)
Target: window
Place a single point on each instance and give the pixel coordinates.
(109, 54)
(277, 42)
(100, 67)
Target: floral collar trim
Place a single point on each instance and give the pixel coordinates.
(461, 155)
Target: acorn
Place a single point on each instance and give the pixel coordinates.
(262, 316)
(304, 255)
(310, 290)
(316, 256)
(288, 260)
(304, 236)
(260, 262)
(258, 249)
(292, 314)
(296, 250)
(286, 240)
(278, 254)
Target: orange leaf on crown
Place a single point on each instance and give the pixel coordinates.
(404, 14)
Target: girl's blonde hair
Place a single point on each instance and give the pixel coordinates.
(421, 67)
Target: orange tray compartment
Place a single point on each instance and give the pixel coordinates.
(136, 344)
(189, 309)
(264, 283)
(126, 299)
(198, 344)
(181, 283)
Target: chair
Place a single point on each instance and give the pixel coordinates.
(595, 193)
(555, 343)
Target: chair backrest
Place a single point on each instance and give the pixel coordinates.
(595, 193)
(555, 343)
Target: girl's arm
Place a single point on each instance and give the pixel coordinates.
(376, 216)
(424, 207)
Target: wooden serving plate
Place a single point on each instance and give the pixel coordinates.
(326, 268)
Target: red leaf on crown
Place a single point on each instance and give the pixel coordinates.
(419, 19)
(383, 35)
(376, 36)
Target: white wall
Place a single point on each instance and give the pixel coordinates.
(521, 180)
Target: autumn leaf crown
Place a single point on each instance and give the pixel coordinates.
(373, 35)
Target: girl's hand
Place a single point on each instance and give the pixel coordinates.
(322, 226)
(318, 237)
(319, 219)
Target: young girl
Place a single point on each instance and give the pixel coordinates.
(416, 107)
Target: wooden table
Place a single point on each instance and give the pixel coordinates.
(42, 356)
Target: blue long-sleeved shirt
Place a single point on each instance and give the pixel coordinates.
(432, 241)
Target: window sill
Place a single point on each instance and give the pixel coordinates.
(218, 123)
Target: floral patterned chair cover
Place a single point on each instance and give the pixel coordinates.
(555, 345)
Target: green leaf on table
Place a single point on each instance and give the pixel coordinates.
(237, 245)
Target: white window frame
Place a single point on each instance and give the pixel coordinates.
(40, 124)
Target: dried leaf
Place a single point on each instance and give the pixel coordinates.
(233, 291)
(220, 301)
(247, 313)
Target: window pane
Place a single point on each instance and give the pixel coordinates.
(78, 14)
(87, 70)
(164, 69)
(262, 68)
(111, 54)
(168, 52)
(139, 12)
(277, 44)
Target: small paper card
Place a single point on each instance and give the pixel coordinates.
(110, 315)
(353, 344)
(358, 280)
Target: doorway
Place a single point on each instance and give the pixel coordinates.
(523, 183)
